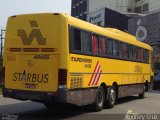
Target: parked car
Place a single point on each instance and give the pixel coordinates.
(156, 83)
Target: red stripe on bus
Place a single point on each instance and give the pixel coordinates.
(31, 50)
(93, 74)
(98, 77)
(97, 73)
(15, 49)
(48, 50)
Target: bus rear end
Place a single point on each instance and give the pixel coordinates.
(31, 57)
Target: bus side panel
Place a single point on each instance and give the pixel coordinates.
(144, 73)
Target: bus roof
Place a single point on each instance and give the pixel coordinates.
(108, 32)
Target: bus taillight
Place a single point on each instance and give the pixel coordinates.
(62, 77)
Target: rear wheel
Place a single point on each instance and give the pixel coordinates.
(141, 96)
(99, 101)
(111, 98)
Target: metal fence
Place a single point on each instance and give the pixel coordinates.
(2, 37)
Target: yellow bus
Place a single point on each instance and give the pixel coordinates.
(52, 58)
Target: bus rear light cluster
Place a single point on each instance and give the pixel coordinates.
(62, 76)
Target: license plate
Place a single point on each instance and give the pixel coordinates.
(31, 86)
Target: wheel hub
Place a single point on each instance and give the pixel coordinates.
(100, 98)
(112, 96)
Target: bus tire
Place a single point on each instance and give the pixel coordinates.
(99, 100)
(146, 86)
(141, 96)
(111, 97)
(50, 105)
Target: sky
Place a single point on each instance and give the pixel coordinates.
(14, 7)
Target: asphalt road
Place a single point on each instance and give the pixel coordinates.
(28, 110)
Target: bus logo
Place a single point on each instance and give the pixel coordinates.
(96, 75)
(30, 63)
(35, 33)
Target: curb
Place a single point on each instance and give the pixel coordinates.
(154, 91)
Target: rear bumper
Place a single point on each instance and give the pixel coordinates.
(78, 97)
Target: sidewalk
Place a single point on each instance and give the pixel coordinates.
(155, 91)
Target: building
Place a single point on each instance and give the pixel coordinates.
(143, 6)
(108, 18)
(82, 8)
(138, 6)
(116, 5)
(79, 9)
(147, 29)
(154, 6)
